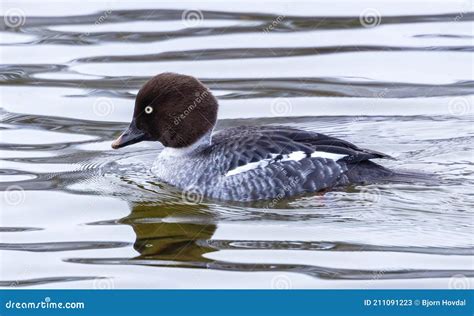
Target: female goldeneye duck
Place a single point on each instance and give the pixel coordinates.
(242, 163)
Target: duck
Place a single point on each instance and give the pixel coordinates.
(244, 163)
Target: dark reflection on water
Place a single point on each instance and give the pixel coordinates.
(17, 229)
(161, 242)
(244, 87)
(62, 246)
(273, 52)
(271, 87)
(41, 281)
(38, 26)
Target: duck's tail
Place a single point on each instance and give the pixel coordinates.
(367, 172)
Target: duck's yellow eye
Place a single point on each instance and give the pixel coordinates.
(148, 109)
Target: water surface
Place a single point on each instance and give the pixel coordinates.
(394, 77)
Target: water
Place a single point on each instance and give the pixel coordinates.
(76, 214)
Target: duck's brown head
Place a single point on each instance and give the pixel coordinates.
(174, 109)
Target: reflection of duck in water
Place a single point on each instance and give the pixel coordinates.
(161, 236)
(174, 235)
(242, 163)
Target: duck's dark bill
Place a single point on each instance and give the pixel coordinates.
(131, 136)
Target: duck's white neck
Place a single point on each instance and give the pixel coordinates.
(201, 143)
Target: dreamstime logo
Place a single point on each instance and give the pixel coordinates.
(20, 275)
(281, 282)
(288, 187)
(192, 18)
(103, 284)
(370, 17)
(103, 107)
(14, 17)
(192, 195)
(381, 94)
(281, 107)
(459, 106)
(199, 98)
(370, 195)
(14, 195)
(101, 19)
(356, 119)
(459, 282)
(15, 283)
(468, 4)
(274, 23)
(377, 275)
(338, 198)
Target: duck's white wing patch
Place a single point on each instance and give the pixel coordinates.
(294, 156)
(323, 154)
(247, 167)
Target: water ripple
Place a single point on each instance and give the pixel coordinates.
(314, 271)
(62, 246)
(41, 281)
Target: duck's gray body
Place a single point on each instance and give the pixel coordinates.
(268, 162)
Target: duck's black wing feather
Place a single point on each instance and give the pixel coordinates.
(243, 145)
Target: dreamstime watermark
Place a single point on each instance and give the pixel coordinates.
(103, 107)
(14, 17)
(103, 284)
(460, 106)
(192, 18)
(281, 282)
(274, 24)
(370, 18)
(14, 195)
(24, 273)
(192, 195)
(338, 198)
(381, 94)
(377, 275)
(101, 19)
(47, 303)
(370, 195)
(459, 282)
(467, 6)
(281, 107)
(15, 283)
(288, 187)
(199, 97)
